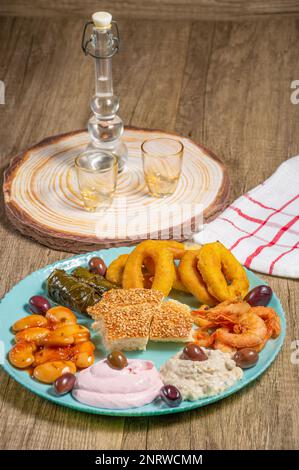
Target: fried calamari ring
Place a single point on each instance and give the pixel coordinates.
(115, 270)
(177, 248)
(177, 283)
(178, 251)
(164, 267)
(224, 276)
(192, 279)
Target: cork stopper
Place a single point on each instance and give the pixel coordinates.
(102, 19)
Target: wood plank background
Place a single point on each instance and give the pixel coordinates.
(154, 9)
(226, 85)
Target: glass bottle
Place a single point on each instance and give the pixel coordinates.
(105, 127)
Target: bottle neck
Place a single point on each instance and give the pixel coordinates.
(104, 48)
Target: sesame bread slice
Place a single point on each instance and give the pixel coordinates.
(116, 298)
(126, 328)
(172, 322)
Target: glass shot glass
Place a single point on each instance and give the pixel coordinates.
(97, 177)
(162, 164)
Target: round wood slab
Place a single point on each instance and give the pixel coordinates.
(43, 202)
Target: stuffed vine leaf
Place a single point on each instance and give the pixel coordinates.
(67, 290)
(96, 281)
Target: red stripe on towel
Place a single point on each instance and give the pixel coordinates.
(273, 242)
(264, 222)
(281, 256)
(246, 216)
(259, 203)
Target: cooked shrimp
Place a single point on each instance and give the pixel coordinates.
(271, 319)
(238, 325)
(215, 319)
(200, 320)
(230, 307)
(223, 347)
(248, 331)
(203, 338)
(224, 314)
(261, 346)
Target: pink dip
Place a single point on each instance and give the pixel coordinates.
(102, 386)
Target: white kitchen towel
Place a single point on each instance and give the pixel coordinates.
(261, 228)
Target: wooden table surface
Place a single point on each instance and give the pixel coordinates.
(227, 85)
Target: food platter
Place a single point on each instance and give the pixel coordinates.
(13, 307)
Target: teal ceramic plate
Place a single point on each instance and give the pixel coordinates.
(13, 307)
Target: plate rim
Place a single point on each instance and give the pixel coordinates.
(12, 372)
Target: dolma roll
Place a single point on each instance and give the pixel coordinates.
(69, 291)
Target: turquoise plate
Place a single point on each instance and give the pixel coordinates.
(13, 307)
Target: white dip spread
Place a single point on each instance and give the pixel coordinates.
(198, 379)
